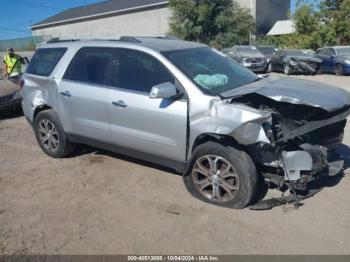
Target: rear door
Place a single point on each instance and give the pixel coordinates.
(84, 91)
(157, 127)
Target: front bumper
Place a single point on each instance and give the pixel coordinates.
(308, 187)
(311, 160)
(256, 67)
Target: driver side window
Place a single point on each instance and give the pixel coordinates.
(138, 71)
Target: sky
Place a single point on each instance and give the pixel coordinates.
(17, 15)
(292, 8)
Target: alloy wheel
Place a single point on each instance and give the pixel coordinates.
(215, 178)
(48, 135)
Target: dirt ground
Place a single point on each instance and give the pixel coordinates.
(101, 203)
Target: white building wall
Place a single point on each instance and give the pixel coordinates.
(150, 22)
(156, 22)
(250, 4)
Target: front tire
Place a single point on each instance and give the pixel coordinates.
(222, 175)
(288, 69)
(51, 136)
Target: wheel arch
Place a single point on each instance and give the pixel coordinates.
(217, 138)
(39, 109)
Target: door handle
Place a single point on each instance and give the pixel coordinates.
(66, 94)
(120, 103)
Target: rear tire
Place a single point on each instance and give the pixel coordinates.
(339, 71)
(222, 175)
(51, 136)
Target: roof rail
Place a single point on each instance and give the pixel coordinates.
(169, 37)
(129, 39)
(58, 40)
(165, 37)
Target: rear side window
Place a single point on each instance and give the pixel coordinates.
(91, 65)
(45, 60)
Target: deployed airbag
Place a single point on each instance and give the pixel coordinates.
(211, 81)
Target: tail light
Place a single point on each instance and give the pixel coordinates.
(21, 83)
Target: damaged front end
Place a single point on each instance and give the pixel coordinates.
(304, 66)
(301, 148)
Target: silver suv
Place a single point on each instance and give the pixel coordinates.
(189, 107)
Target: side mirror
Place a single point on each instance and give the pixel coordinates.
(332, 56)
(164, 90)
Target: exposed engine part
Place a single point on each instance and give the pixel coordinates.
(294, 162)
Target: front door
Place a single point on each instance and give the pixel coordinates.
(156, 127)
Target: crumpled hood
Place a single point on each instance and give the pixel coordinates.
(304, 59)
(296, 91)
(7, 88)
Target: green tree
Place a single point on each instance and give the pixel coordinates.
(318, 26)
(306, 20)
(335, 14)
(219, 23)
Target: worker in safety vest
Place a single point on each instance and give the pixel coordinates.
(13, 64)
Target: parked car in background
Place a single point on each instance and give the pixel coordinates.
(335, 59)
(10, 98)
(296, 61)
(10, 87)
(249, 56)
(268, 52)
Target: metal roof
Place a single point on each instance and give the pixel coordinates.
(283, 27)
(99, 10)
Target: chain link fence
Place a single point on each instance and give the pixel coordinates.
(21, 44)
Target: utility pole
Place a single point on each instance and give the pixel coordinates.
(252, 14)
